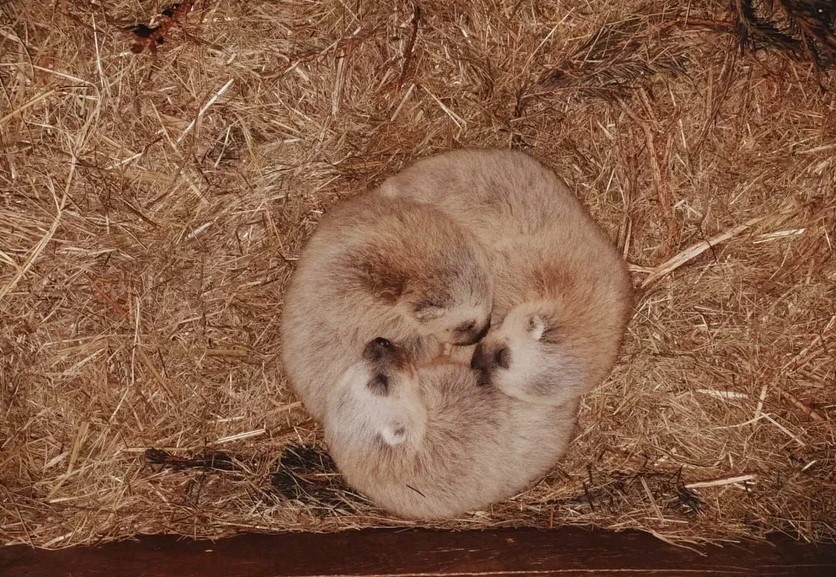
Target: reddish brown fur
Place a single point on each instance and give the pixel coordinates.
(379, 267)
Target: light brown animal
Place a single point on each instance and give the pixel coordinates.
(563, 293)
(380, 267)
(426, 442)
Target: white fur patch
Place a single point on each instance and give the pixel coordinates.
(525, 361)
(428, 313)
(396, 418)
(394, 433)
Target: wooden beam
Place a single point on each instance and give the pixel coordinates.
(567, 552)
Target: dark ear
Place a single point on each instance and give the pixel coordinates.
(537, 326)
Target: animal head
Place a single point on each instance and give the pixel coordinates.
(527, 355)
(452, 298)
(461, 320)
(441, 285)
(379, 398)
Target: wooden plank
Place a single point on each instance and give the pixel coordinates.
(568, 552)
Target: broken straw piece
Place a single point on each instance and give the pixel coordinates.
(695, 250)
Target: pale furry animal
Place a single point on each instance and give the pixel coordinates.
(426, 442)
(380, 267)
(563, 294)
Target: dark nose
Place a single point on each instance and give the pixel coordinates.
(377, 349)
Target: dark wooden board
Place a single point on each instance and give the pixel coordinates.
(568, 552)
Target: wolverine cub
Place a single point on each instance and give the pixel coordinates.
(425, 442)
(562, 292)
(387, 267)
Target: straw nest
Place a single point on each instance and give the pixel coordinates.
(160, 169)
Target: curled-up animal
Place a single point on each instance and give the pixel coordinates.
(424, 441)
(563, 294)
(379, 266)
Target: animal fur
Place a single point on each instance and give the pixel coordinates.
(380, 267)
(425, 442)
(563, 293)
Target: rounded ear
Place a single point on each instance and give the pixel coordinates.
(537, 326)
(428, 312)
(393, 433)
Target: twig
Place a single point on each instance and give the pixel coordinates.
(725, 395)
(205, 107)
(39, 248)
(721, 482)
(240, 436)
(783, 429)
(695, 250)
(804, 407)
(410, 46)
(26, 105)
(663, 192)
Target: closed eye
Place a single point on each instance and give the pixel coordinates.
(502, 357)
(465, 327)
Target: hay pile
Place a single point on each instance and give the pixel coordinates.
(154, 197)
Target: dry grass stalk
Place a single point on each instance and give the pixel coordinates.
(720, 482)
(620, 56)
(693, 251)
(152, 207)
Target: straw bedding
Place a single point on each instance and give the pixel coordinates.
(154, 197)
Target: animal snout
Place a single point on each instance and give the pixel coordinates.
(377, 349)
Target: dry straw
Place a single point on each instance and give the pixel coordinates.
(156, 187)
